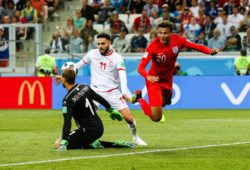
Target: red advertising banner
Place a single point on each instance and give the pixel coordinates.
(26, 93)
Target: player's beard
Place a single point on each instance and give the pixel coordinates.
(105, 52)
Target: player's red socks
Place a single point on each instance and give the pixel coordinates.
(145, 107)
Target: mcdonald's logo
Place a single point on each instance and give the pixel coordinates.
(31, 91)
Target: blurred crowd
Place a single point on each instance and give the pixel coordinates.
(132, 24)
(223, 24)
(27, 11)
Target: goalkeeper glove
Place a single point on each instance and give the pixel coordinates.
(63, 145)
(114, 114)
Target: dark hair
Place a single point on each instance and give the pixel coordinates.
(243, 52)
(47, 51)
(69, 75)
(104, 35)
(166, 24)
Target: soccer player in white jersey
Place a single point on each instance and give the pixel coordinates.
(107, 72)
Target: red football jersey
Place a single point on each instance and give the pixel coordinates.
(163, 57)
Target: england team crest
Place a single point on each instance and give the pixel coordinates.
(175, 49)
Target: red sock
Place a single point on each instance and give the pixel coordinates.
(145, 107)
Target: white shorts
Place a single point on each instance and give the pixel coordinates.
(114, 98)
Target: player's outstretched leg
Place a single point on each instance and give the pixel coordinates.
(137, 97)
(154, 113)
(116, 144)
(132, 126)
(136, 139)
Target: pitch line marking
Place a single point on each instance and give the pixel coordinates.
(124, 154)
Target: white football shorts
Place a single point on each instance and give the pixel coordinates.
(114, 98)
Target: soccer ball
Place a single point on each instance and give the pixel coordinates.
(69, 65)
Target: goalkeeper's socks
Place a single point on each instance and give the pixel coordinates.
(145, 107)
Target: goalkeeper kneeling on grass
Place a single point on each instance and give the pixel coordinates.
(78, 103)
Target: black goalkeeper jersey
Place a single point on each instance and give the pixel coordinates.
(78, 103)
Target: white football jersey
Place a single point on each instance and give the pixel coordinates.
(104, 69)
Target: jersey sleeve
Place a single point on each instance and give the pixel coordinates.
(122, 74)
(145, 60)
(67, 114)
(197, 47)
(120, 65)
(85, 60)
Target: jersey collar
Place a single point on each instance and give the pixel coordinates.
(109, 53)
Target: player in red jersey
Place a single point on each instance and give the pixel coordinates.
(163, 52)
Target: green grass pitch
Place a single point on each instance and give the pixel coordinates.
(189, 139)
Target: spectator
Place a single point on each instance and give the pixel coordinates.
(211, 9)
(208, 27)
(192, 30)
(185, 18)
(245, 23)
(216, 41)
(236, 18)
(120, 44)
(69, 29)
(202, 17)
(233, 42)
(11, 11)
(58, 44)
(150, 7)
(242, 63)
(105, 13)
(39, 5)
(96, 5)
(18, 17)
(246, 40)
(20, 5)
(7, 21)
(218, 19)
(172, 5)
(178, 71)
(46, 65)
(89, 43)
(154, 20)
(88, 30)
(228, 7)
(195, 8)
(87, 11)
(153, 35)
(29, 13)
(139, 42)
(166, 16)
(177, 13)
(224, 27)
(75, 42)
(116, 25)
(20, 33)
(242, 10)
(117, 5)
(136, 6)
(3, 10)
(4, 50)
(200, 39)
(160, 3)
(79, 21)
(142, 23)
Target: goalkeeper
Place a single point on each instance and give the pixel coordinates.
(78, 103)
